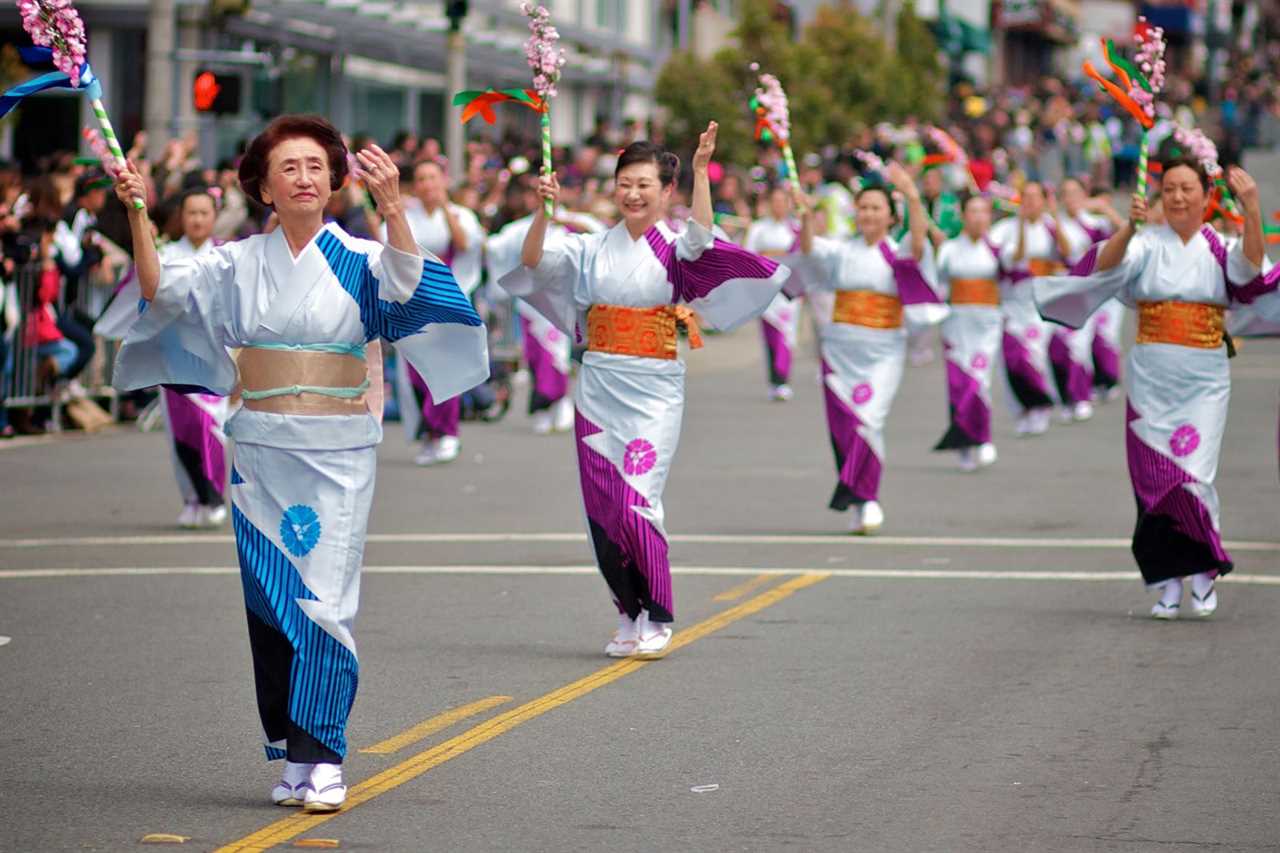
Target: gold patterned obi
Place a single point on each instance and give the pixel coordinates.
(867, 308)
(1187, 324)
(1045, 266)
(640, 332)
(975, 291)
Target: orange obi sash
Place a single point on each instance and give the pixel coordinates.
(974, 291)
(867, 308)
(1187, 324)
(1044, 266)
(641, 332)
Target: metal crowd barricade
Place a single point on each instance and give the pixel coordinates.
(24, 390)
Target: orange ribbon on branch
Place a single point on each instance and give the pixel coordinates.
(480, 103)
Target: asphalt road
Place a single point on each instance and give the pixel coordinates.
(982, 676)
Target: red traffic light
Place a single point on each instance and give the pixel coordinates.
(206, 91)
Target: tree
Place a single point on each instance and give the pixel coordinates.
(838, 76)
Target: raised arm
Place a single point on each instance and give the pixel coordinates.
(531, 252)
(804, 207)
(1245, 190)
(1114, 249)
(129, 185)
(382, 178)
(702, 212)
(919, 218)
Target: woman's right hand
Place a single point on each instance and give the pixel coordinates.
(549, 188)
(129, 185)
(1138, 210)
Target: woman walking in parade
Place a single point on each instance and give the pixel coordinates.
(878, 284)
(1180, 278)
(301, 302)
(623, 292)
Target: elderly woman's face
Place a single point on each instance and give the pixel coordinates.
(298, 178)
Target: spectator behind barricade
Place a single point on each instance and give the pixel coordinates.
(10, 309)
(57, 355)
(233, 215)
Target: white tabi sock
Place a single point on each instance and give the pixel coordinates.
(627, 628)
(1201, 584)
(295, 774)
(1171, 592)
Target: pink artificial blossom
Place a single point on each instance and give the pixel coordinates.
(1150, 58)
(870, 161)
(55, 24)
(99, 147)
(1200, 147)
(774, 100)
(544, 57)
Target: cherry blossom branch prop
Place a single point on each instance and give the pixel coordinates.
(951, 152)
(546, 60)
(1138, 84)
(56, 28)
(773, 120)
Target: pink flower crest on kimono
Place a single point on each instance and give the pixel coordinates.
(862, 393)
(553, 336)
(1103, 320)
(1184, 441)
(979, 361)
(1033, 334)
(639, 458)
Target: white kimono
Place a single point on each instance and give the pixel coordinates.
(629, 408)
(197, 443)
(781, 320)
(302, 485)
(1177, 394)
(547, 350)
(1026, 335)
(862, 366)
(421, 408)
(971, 337)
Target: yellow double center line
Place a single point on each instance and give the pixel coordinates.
(413, 767)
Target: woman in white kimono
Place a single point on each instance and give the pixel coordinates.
(547, 350)
(1098, 220)
(301, 302)
(622, 291)
(1031, 244)
(453, 234)
(1180, 278)
(774, 236)
(877, 285)
(969, 273)
(197, 444)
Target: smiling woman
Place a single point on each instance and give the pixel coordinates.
(622, 290)
(302, 303)
(1181, 277)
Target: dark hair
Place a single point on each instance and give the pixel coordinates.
(645, 151)
(884, 191)
(253, 168)
(968, 197)
(191, 192)
(1189, 162)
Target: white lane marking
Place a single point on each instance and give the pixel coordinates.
(733, 571)
(4, 641)
(679, 538)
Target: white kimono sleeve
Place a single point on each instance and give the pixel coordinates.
(421, 311)
(182, 335)
(549, 287)
(1071, 299)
